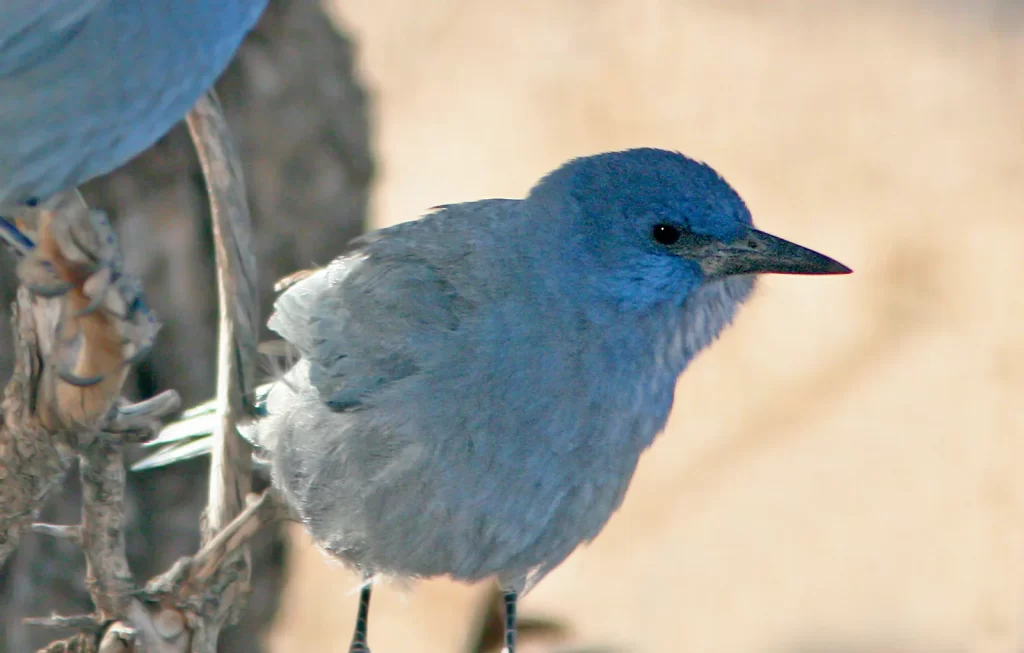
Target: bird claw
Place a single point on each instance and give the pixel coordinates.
(88, 241)
(142, 419)
(135, 327)
(96, 316)
(78, 381)
(96, 288)
(42, 278)
(142, 351)
(49, 291)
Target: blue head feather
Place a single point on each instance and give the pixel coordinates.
(608, 206)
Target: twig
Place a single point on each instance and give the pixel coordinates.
(79, 621)
(231, 459)
(80, 643)
(107, 575)
(239, 311)
(59, 531)
(33, 460)
(260, 512)
(192, 577)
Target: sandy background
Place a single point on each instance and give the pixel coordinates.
(843, 470)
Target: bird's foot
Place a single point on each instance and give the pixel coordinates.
(96, 314)
(134, 422)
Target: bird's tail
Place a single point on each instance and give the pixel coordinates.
(191, 436)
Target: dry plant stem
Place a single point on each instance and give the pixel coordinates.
(231, 459)
(107, 576)
(236, 288)
(33, 460)
(59, 531)
(196, 582)
(260, 512)
(85, 622)
(81, 643)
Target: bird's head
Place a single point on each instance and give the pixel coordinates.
(648, 226)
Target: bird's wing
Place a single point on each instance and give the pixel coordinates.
(30, 28)
(368, 320)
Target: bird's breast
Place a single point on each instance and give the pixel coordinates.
(533, 452)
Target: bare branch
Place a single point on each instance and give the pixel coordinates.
(231, 460)
(81, 643)
(199, 580)
(156, 629)
(260, 512)
(59, 531)
(33, 460)
(80, 621)
(107, 575)
(239, 311)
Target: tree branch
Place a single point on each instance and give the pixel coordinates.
(33, 460)
(107, 575)
(231, 459)
(239, 311)
(191, 580)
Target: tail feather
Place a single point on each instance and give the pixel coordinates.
(191, 435)
(175, 453)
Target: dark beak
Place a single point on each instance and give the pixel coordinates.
(759, 253)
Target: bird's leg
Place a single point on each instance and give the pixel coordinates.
(71, 263)
(362, 618)
(99, 324)
(511, 598)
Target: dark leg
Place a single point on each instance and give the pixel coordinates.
(362, 620)
(510, 622)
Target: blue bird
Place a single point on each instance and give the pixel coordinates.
(86, 85)
(474, 389)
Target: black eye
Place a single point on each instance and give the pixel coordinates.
(666, 234)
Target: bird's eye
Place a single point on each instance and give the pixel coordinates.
(666, 234)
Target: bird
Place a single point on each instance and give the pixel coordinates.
(89, 84)
(473, 389)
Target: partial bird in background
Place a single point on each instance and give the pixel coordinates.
(474, 389)
(86, 85)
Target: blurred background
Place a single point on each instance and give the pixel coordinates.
(842, 470)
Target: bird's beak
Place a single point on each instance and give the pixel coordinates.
(759, 253)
